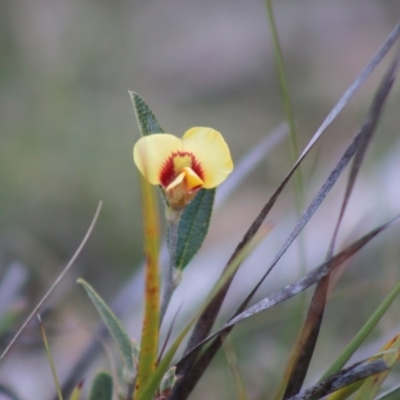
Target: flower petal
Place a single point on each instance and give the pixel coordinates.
(193, 181)
(211, 151)
(151, 152)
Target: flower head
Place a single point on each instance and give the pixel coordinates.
(201, 159)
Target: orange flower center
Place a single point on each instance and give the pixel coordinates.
(175, 165)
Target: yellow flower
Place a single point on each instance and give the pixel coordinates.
(201, 159)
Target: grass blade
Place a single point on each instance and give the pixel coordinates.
(355, 373)
(390, 357)
(188, 381)
(287, 104)
(203, 326)
(303, 350)
(311, 278)
(371, 386)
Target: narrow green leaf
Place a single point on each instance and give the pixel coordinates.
(102, 387)
(114, 326)
(146, 120)
(193, 227)
(286, 102)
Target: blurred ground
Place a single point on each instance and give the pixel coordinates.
(67, 125)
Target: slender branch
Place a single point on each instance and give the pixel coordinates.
(55, 284)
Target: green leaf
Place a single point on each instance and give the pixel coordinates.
(114, 326)
(146, 120)
(102, 387)
(193, 227)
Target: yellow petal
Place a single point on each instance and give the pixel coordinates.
(151, 152)
(192, 179)
(212, 152)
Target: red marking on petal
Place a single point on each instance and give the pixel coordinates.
(196, 167)
(168, 172)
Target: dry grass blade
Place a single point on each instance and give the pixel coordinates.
(304, 348)
(182, 390)
(205, 323)
(55, 284)
(343, 378)
(311, 278)
(364, 74)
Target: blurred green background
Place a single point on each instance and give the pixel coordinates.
(67, 124)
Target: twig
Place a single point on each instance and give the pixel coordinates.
(55, 284)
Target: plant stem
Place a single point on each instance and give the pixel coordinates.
(173, 276)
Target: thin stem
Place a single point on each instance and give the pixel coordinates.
(173, 276)
(55, 284)
(287, 105)
(286, 101)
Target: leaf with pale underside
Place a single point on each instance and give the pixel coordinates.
(115, 327)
